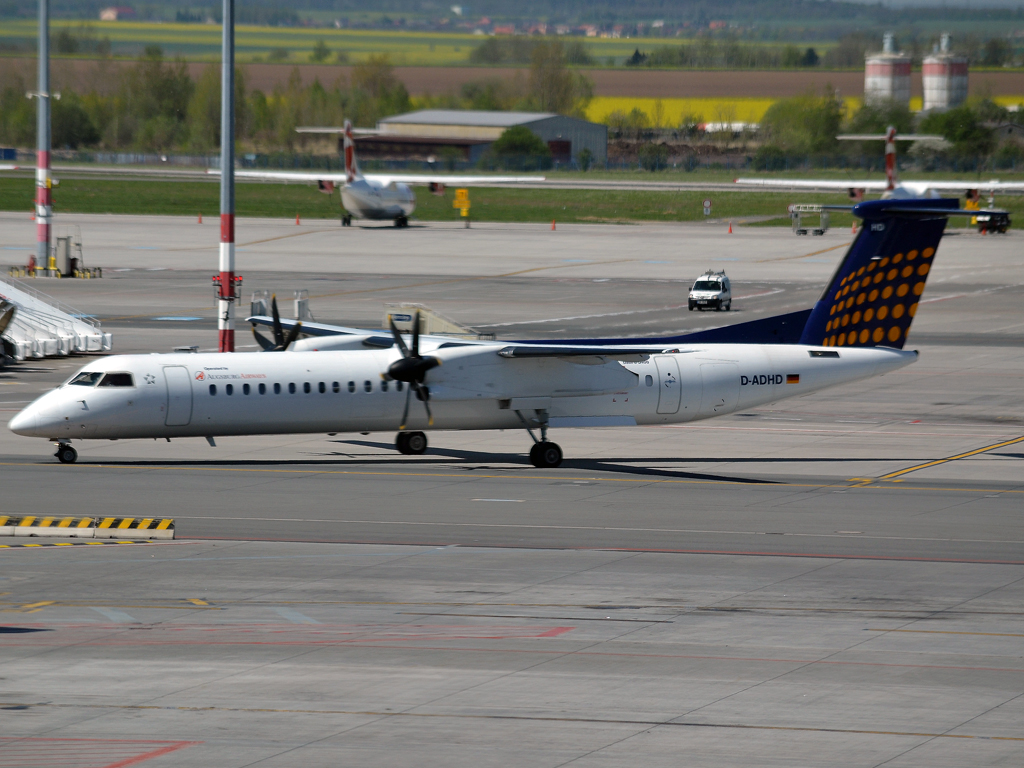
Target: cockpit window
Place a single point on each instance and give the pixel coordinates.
(707, 285)
(86, 379)
(118, 380)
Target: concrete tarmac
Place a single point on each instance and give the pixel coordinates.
(809, 583)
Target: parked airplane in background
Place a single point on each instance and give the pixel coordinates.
(363, 381)
(892, 186)
(377, 196)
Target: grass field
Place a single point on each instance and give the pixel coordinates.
(202, 41)
(498, 205)
(285, 201)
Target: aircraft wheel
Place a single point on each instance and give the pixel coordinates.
(402, 442)
(346, 221)
(66, 454)
(416, 442)
(545, 455)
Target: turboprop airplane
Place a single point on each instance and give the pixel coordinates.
(376, 196)
(363, 381)
(892, 186)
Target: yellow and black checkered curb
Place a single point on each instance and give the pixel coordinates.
(88, 527)
(71, 544)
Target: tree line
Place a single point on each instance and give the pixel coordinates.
(155, 105)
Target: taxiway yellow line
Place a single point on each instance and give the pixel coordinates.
(975, 452)
(804, 256)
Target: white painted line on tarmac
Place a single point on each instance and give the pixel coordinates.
(115, 615)
(294, 616)
(619, 314)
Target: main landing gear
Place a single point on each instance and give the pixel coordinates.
(66, 454)
(346, 220)
(544, 454)
(402, 221)
(411, 443)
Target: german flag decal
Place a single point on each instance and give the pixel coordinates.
(792, 378)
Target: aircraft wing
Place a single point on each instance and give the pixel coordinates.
(462, 181)
(338, 177)
(920, 187)
(811, 184)
(634, 354)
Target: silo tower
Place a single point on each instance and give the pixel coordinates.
(887, 75)
(945, 78)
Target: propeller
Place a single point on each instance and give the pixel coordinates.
(280, 342)
(412, 368)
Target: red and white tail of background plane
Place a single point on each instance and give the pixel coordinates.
(891, 186)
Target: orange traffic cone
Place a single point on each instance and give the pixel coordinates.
(33, 215)
(296, 219)
(730, 227)
(853, 227)
(552, 225)
(200, 218)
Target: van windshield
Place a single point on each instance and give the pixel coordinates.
(86, 379)
(707, 285)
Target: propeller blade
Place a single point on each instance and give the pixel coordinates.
(278, 333)
(398, 338)
(405, 412)
(293, 334)
(424, 395)
(416, 335)
(264, 342)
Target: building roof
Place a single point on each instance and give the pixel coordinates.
(468, 117)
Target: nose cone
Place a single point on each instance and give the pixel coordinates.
(26, 422)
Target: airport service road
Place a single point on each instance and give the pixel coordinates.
(284, 654)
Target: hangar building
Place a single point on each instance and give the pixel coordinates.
(432, 133)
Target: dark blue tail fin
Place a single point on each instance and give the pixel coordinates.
(872, 297)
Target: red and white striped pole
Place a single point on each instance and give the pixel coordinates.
(44, 184)
(225, 310)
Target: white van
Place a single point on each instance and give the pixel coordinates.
(711, 291)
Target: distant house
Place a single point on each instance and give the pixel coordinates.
(1006, 130)
(117, 13)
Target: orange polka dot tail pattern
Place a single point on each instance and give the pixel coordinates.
(873, 295)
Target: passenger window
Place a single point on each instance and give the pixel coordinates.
(383, 386)
(649, 380)
(213, 389)
(229, 389)
(323, 387)
(277, 389)
(117, 380)
(368, 385)
(263, 389)
(86, 379)
(305, 387)
(336, 387)
(245, 389)
(351, 386)
(291, 389)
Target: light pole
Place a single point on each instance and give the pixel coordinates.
(44, 201)
(227, 294)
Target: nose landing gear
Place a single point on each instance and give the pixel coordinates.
(66, 454)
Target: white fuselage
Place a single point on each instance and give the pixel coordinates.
(368, 199)
(180, 395)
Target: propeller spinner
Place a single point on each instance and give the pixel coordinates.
(280, 342)
(412, 368)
